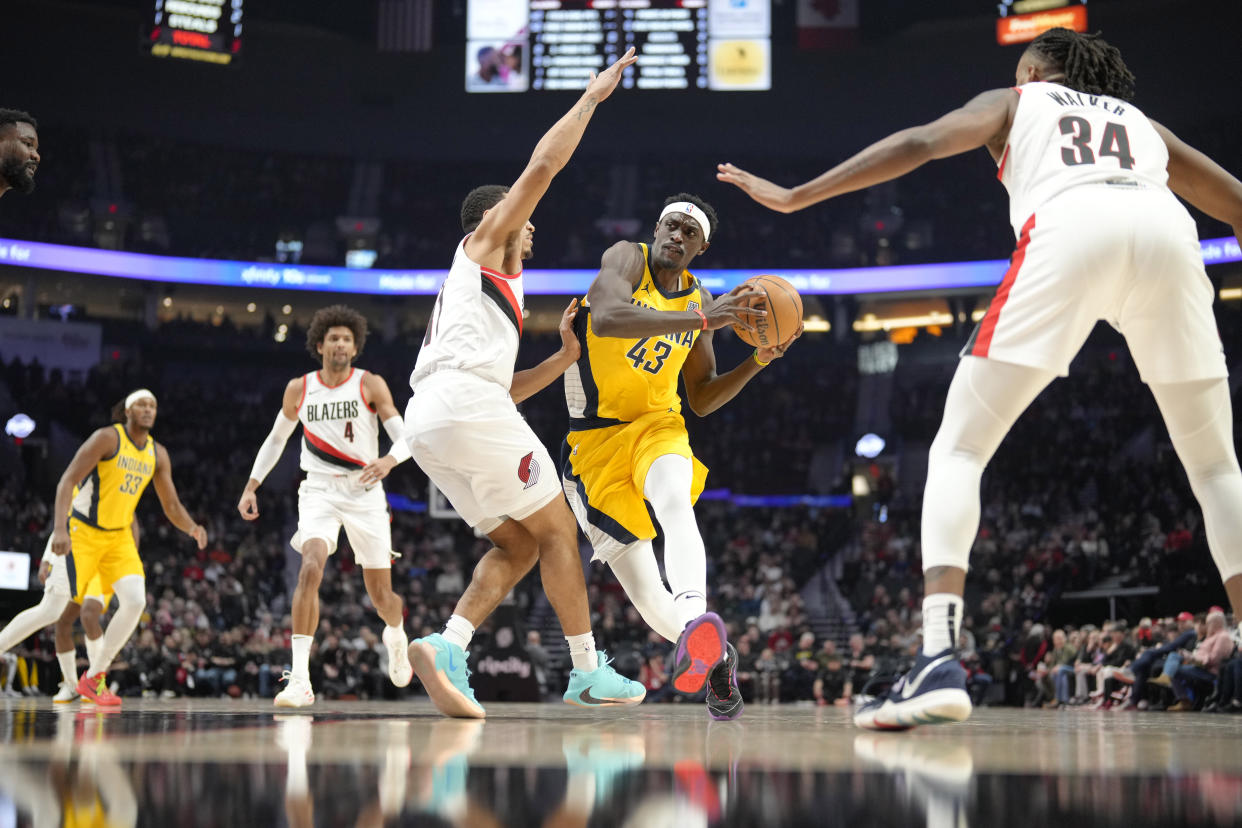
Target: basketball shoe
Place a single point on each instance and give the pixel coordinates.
(67, 693)
(602, 687)
(441, 667)
(399, 669)
(933, 692)
(95, 689)
(724, 699)
(297, 693)
(700, 647)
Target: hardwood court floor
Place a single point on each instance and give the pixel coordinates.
(196, 762)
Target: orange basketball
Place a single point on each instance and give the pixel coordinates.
(784, 307)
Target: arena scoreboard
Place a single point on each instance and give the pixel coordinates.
(209, 31)
(542, 45)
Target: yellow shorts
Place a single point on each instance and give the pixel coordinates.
(99, 558)
(607, 468)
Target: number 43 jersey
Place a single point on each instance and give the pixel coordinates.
(619, 380)
(1062, 139)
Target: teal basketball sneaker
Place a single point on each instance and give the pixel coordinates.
(602, 687)
(441, 667)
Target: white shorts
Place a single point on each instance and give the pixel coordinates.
(1129, 256)
(58, 577)
(467, 435)
(327, 503)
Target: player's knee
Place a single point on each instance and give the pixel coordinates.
(131, 591)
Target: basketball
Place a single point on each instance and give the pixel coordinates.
(784, 307)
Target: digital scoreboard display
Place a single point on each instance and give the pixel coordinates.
(209, 31)
(537, 45)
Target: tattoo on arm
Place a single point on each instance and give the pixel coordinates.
(585, 109)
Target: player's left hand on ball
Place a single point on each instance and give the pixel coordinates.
(377, 471)
(199, 533)
(569, 340)
(761, 190)
(769, 354)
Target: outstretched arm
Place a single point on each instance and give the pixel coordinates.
(533, 380)
(273, 446)
(986, 118)
(380, 398)
(706, 390)
(613, 314)
(1201, 181)
(551, 155)
(103, 443)
(171, 503)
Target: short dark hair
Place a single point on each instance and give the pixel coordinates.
(478, 201)
(697, 201)
(118, 412)
(335, 316)
(16, 116)
(1090, 63)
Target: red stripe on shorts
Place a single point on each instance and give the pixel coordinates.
(988, 326)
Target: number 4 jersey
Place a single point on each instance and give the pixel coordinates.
(340, 431)
(1062, 139)
(618, 380)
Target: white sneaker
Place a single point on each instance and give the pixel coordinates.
(399, 668)
(297, 693)
(68, 692)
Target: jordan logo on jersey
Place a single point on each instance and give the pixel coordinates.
(528, 470)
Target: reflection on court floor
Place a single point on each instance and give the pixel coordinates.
(217, 763)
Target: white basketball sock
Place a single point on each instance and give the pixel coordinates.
(69, 666)
(667, 488)
(942, 618)
(582, 652)
(301, 646)
(92, 647)
(458, 631)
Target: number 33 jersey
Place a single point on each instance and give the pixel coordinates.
(340, 432)
(1062, 139)
(107, 497)
(619, 380)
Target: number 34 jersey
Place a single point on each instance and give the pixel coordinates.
(1062, 139)
(619, 380)
(340, 431)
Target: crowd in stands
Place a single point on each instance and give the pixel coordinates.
(204, 201)
(1108, 501)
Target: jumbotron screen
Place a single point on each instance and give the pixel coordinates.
(537, 45)
(208, 31)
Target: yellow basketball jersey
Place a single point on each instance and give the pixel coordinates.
(107, 497)
(619, 380)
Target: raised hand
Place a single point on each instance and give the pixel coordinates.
(570, 345)
(761, 190)
(601, 85)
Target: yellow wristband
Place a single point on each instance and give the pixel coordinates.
(758, 361)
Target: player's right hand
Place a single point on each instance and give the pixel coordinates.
(601, 85)
(732, 308)
(45, 569)
(60, 541)
(248, 506)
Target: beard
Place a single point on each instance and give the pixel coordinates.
(17, 175)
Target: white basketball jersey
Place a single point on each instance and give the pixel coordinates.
(1062, 139)
(475, 325)
(340, 431)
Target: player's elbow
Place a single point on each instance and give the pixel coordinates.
(605, 322)
(544, 165)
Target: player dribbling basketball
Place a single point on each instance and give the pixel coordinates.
(646, 322)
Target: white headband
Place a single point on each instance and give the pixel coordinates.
(140, 394)
(693, 211)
